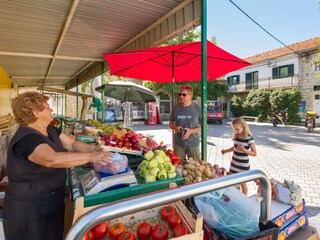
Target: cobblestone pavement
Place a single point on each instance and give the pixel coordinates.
(285, 152)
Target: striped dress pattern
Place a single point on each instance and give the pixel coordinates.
(240, 160)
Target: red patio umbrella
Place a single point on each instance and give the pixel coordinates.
(175, 63)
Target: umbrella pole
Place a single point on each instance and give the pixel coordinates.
(172, 91)
(126, 121)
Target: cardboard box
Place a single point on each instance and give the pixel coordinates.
(153, 217)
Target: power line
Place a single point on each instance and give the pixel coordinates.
(263, 28)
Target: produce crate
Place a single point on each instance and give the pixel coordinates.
(152, 216)
(85, 203)
(122, 150)
(134, 161)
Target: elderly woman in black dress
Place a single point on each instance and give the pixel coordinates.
(38, 156)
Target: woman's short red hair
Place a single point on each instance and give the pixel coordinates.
(24, 105)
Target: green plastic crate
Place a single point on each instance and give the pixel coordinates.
(127, 192)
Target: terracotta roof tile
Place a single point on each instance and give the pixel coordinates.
(298, 47)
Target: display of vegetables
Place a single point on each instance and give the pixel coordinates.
(167, 223)
(166, 211)
(127, 235)
(156, 166)
(144, 231)
(180, 230)
(97, 232)
(100, 230)
(197, 171)
(160, 232)
(116, 230)
(174, 158)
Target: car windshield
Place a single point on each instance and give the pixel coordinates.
(214, 109)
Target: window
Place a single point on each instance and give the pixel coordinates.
(282, 71)
(316, 97)
(317, 67)
(316, 88)
(252, 80)
(233, 80)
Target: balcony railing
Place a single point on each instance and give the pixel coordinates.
(266, 83)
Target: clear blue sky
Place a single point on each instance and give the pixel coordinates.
(290, 21)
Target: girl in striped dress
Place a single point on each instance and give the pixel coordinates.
(244, 146)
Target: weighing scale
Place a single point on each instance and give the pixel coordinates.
(95, 182)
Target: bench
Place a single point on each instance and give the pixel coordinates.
(251, 118)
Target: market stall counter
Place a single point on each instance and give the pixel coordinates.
(83, 202)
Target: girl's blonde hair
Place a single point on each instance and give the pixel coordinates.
(241, 122)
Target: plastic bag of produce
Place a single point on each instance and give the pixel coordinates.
(229, 211)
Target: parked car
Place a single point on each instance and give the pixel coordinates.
(214, 114)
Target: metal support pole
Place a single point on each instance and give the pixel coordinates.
(147, 201)
(204, 125)
(102, 92)
(77, 100)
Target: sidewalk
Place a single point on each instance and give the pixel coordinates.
(283, 153)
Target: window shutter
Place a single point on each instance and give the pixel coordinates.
(275, 73)
(229, 80)
(290, 70)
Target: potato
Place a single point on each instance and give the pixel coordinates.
(207, 172)
(184, 172)
(198, 173)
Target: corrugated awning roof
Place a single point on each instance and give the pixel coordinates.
(60, 43)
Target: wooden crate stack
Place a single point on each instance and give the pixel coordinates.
(6, 121)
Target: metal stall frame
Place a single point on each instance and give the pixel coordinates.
(144, 202)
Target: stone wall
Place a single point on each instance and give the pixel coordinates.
(308, 80)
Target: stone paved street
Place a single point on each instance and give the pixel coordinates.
(285, 152)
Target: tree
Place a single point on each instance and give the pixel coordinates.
(215, 89)
(259, 102)
(281, 99)
(237, 106)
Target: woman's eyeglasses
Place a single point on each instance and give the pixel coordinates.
(182, 94)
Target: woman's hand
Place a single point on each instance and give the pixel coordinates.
(223, 151)
(101, 156)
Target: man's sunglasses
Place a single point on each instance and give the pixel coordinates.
(182, 94)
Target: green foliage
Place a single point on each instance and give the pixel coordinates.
(215, 89)
(84, 86)
(263, 103)
(257, 103)
(281, 99)
(190, 36)
(237, 106)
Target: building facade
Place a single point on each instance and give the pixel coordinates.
(294, 66)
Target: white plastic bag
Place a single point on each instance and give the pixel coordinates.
(229, 211)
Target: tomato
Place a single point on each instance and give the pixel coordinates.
(100, 230)
(174, 219)
(88, 236)
(160, 232)
(144, 231)
(180, 230)
(127, 235)
(116, 229)
(166, 211)
(169, 152)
